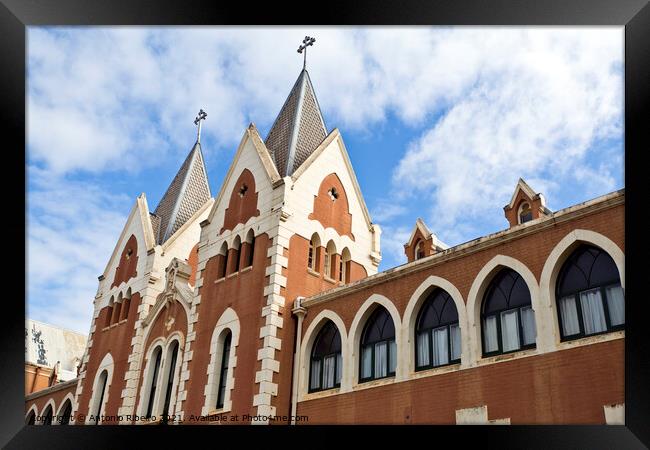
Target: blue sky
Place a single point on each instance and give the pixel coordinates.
(439, 123)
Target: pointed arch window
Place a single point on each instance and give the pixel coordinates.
(313, 261)
(589, 294)
(103, 379)
(157, 356)
(172, 356)
(326, 364)
(31, 418)
(47, 416)
(378, 349)
(223, 373)
(251, 250)
(66, 413)
(222, 261)
(419, 250)
(437, 334)
(525, 213)
(507, 315)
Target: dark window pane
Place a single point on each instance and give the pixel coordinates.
(506, 290)
(603, 271)
(379, 327)
(328, 341)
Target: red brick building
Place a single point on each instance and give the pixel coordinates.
(264, 305)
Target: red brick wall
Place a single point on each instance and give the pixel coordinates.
(606, 369)
(57, 396)
(193, 260)
(115, 340)
(241, 208)
(242, 292)
(158, 329)
(331, 213)
(127, 267)
(564, 387)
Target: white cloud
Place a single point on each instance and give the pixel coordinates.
(72, 229)
(537, 102)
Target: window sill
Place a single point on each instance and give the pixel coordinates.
(508, 356)
(311, 271)
(246, 269)
(373, 383)
(321, 394)
(219, 280)
(234, 274)
(330, 280)
(423, 373)
(123, 321)
(588, 340)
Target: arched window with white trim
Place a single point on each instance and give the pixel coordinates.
(330, 251)
(326, 363)
(507, 316)
(344, 266)
(437, 333)
(223, 372)
(171, 361)
(99, 397)
(31, 418)
(48, 414)
(250, 240)
(378, 348)
(313, 261)
(589, 294)
(525, 213)
(153, 379)
(222, 261)
(65, 413)
(419, 250)
(236, 248)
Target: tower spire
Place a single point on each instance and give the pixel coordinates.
(188, 191)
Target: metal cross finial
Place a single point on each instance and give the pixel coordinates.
(303, 47)
(201, 116)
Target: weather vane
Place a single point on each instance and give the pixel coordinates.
(201, 116)
(303, 47)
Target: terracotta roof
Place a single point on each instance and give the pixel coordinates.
(188, 191)
(298, 129)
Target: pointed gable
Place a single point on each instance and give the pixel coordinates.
(299, 128)
(188, 191)
(422, 243)
(525, 205)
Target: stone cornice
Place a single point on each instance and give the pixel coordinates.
(535, 226)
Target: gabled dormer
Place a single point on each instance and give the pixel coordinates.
(525, 205)
(422, 242)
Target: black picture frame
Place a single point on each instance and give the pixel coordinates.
(16, 15)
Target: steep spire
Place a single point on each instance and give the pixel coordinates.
(298, 129)
(188, 191)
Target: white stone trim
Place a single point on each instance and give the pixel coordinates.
(553, 265)
(165, 344)
(478, 415)
(475, 299)
(229, 321)
(614, 414)
(108, 365)
(33, 408)
(50, 403)
(356, 330)
(413, 309)
(148, 374)
(305, 352)
(67, 397)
